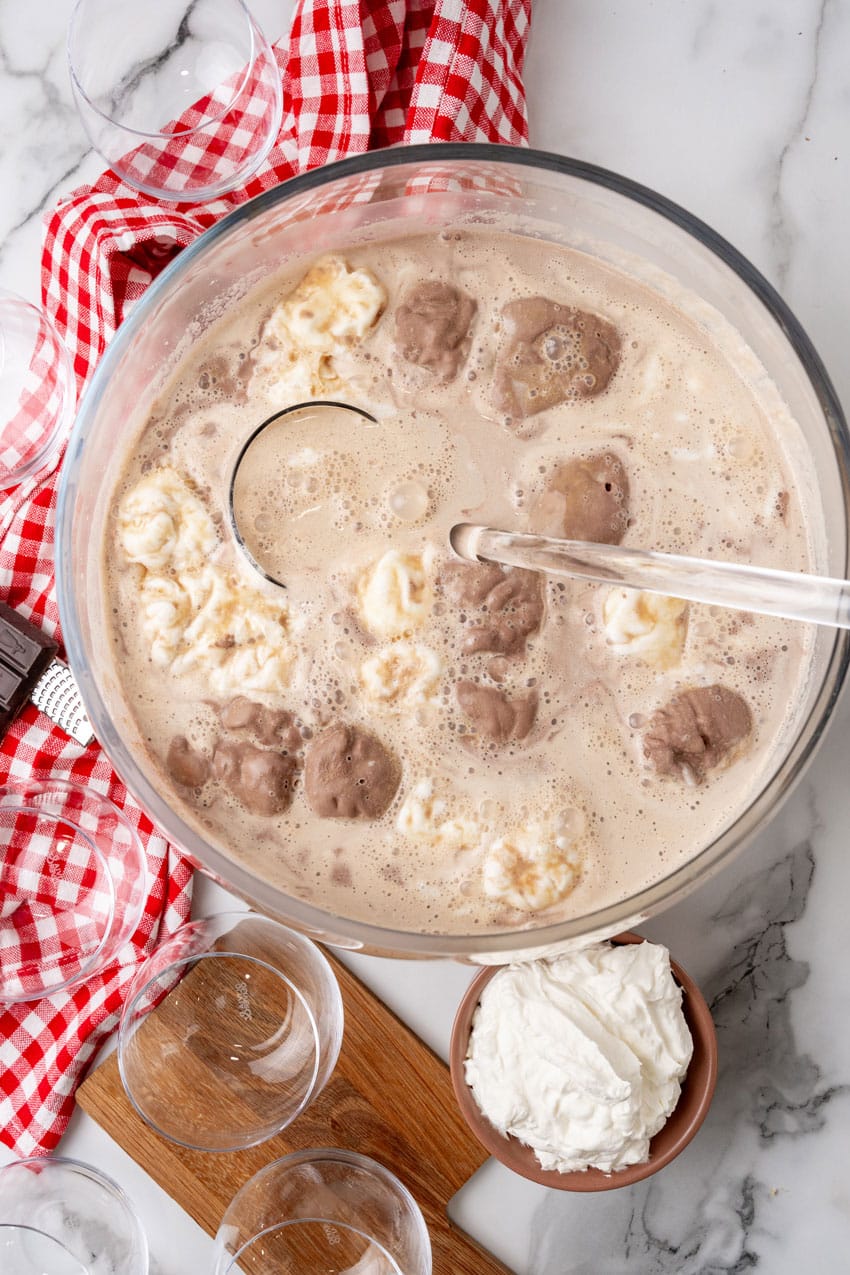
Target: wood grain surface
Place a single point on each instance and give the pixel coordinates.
(390, 1098)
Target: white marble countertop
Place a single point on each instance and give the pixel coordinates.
(740, 111)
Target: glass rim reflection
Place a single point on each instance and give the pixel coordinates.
(233, 1267)
(38, 1235)
(158, 134)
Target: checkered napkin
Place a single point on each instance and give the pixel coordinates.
(356, 74)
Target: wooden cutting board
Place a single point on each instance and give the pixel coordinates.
(390, 1097)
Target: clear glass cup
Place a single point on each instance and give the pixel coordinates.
(38, 391)
(184, 102)
(247, 1030)
(323, 1210)
(62, 1217)
(73, 882)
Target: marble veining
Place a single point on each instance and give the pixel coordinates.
(47, 149)
(42, 144)
(721, 1209)
(783, 238)
(741, 113)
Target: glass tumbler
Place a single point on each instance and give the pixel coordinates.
(62, 1217)
(323, 1210)
(37, 390)
(73, 882)
(246, 1031)
(183, 99)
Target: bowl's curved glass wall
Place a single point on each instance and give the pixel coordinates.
(377, 197)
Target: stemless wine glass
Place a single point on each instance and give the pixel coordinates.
(62, 1217)
(183, 98)
(323, 1210)
(247, 1037)
(37, 389)
(73, 882)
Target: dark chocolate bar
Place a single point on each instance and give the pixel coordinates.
(25, 654)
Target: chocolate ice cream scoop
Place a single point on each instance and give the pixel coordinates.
(185, 764)
(503, 607)
(696, 730)
(270, 725)
(218, 377)
(585, 499)
(493, 714)
(349, 774)
(553, 354)
(432, 327)
(257, 777)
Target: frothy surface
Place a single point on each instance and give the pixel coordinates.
(538, 821)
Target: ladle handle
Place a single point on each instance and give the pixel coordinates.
(817, 599)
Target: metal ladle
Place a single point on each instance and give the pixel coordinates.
(259, 450)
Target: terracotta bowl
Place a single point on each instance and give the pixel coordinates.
(690, 1111)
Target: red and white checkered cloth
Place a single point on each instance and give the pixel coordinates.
(357, 74)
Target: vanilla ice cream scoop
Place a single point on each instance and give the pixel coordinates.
(394, 594)
(648, 625)
(238, 636)
(532, 867)
(332, 308)
(424, 816)
(162, 524)
(196, 614)
(400, 674)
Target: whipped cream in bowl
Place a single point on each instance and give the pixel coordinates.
(586, 1071)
